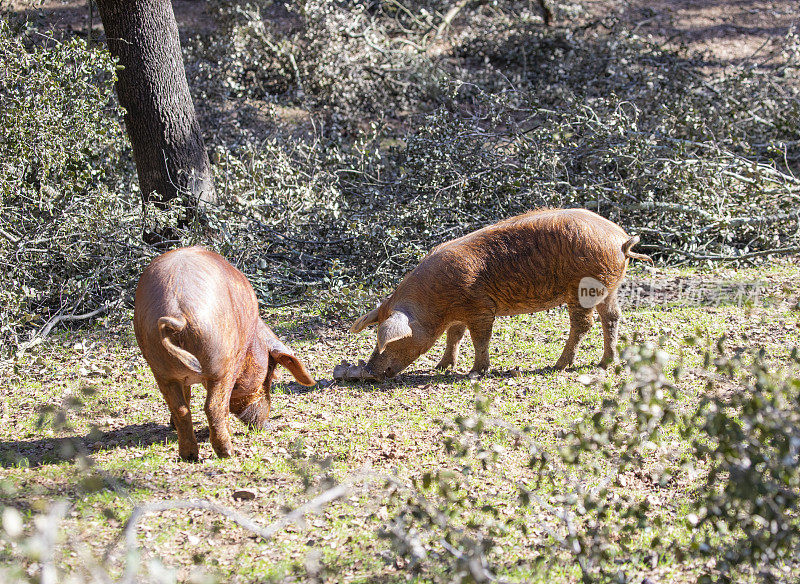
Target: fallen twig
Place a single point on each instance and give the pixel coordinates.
(10, 237)
(448, 17)
(70, 318)
(48, 327)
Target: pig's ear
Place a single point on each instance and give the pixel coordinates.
(283, 355)
(392, 329)
(364, 321)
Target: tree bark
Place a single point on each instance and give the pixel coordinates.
(170, 155)
(547, 13)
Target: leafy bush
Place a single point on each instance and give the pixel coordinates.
(69, 219)
(744, 442)
(750, 438)
(349, 138)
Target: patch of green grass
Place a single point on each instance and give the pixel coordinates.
(393, 428)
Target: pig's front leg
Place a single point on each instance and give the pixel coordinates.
(454, 335)
(481, 333)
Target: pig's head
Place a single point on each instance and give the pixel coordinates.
(250, 397)
(401, 339)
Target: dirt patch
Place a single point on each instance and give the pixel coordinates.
(725, 32)
(75, 16)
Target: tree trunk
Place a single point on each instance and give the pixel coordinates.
(171, 159)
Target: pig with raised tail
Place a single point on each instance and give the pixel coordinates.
(532, 262)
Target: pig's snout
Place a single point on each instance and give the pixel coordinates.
(344, 371)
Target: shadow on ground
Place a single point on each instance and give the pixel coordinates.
(416, 378)
(44, 451)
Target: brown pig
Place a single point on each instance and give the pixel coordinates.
(524, 264)
(196, 321)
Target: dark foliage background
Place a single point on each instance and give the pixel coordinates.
(348, 138)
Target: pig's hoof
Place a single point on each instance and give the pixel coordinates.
(191, 456)
(224, 451)
(479, 369)
(446, 364)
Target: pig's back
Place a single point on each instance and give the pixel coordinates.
(526, 263)
(215, 299)
(558, 242)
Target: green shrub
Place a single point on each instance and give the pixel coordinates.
(68, 216)
(744, 443)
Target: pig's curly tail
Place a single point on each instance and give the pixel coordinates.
(626, 249)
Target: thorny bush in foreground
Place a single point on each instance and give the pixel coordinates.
(578, 502)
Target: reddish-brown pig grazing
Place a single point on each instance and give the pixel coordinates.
(525, 264)
(196, 321)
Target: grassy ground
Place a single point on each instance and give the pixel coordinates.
(392, 428)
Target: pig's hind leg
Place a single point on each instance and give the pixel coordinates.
(187, 397)
(176, 395)
(609, 316)
(454, 335)
(218, 398)
(580, 321)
